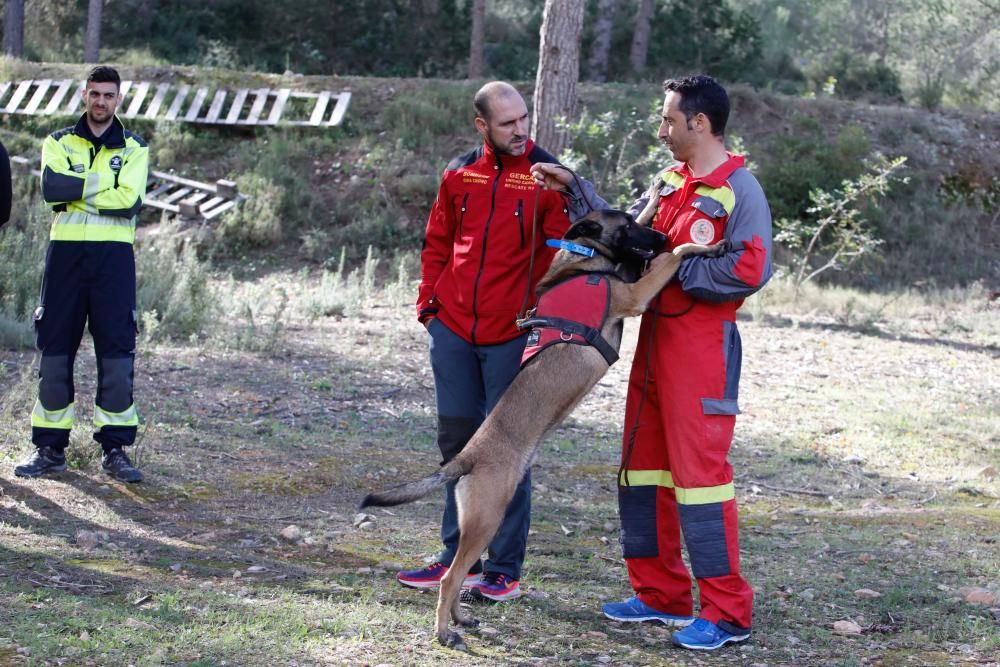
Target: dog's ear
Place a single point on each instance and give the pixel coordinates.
(586, 228)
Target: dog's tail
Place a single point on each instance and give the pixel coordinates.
(407, 493)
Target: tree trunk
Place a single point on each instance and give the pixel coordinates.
(476, 39)
(13, 28)
(558, 72)
(604, 23)
(92, 44)
(640, 37)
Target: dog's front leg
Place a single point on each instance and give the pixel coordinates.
(633, 299)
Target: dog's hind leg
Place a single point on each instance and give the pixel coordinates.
(479, 519)
(451, 586)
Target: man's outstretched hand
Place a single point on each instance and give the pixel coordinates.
(551, 176)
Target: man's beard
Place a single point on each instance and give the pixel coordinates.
(506, 148)
(97, 117)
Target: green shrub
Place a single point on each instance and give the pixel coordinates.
(859, 77)
(259, 322)
(258, 221)
(836, 234)
(23, 241)
(617, 150)
(174, 297)
(416, 118)
(795, 164)
(171, 145)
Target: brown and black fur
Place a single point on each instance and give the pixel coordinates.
(544, 393)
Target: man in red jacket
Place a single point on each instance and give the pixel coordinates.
(681, 408)
(476, 275)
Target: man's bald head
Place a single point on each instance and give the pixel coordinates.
(487, 97)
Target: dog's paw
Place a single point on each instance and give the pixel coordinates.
(452, 640)
(468, 622)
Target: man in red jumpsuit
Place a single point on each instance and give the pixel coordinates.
(681, 408)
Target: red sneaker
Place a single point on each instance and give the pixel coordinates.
(497, 586)
(430, 577)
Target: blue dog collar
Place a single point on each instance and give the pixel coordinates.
(571, 247)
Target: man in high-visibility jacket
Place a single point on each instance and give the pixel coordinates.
(681, 406)
(94, 176)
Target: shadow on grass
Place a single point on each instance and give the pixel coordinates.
(781, 322)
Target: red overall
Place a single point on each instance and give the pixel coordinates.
(676, 479)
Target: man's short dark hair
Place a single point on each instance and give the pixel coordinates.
(105, 74)
(702, 94)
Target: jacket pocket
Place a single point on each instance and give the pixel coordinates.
(713, 208)
(732, 355)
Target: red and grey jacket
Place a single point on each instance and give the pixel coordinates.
(474, 265)
(726, 204)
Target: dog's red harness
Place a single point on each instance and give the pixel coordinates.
(574, 311)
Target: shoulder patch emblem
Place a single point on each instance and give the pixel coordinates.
(115, 163)
(702, 231)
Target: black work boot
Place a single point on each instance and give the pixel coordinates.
(43, 461)
(116, 463)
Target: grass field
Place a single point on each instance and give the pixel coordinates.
(866, 463)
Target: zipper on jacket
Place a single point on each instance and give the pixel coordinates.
(520, 218)
(461, 218)
(482, 257)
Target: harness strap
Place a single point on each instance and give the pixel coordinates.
(591, 335)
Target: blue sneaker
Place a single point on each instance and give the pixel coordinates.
(707, 636)
(635, 610)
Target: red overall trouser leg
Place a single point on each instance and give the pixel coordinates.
(676, 479)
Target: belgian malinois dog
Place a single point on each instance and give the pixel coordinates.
(544, 392)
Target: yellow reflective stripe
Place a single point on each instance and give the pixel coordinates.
(76, 226)
(43, 418)
(722, 195)
(673, 178)
(646, 478)
(91, 187)
(130, 417)
(696, 496)
(706, 494)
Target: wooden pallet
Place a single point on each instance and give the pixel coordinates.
(204, 105)
(176, 195)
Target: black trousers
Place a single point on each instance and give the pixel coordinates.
(92, 283)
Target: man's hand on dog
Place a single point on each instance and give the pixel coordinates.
(551, 176)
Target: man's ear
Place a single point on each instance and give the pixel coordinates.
(586, 228)
(703, 124)
(481, 126)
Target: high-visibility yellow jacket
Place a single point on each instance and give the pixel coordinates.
(95, 184)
